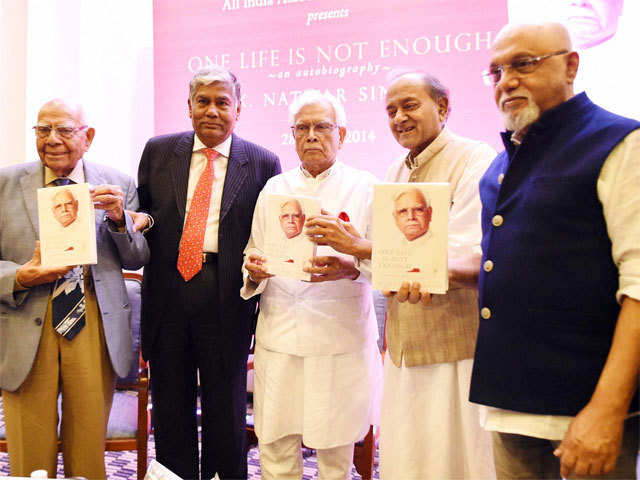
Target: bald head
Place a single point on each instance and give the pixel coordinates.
(68, 138)
(542, 77)
(71, 108)
(547, 36)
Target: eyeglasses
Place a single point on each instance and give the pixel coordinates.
(523, 65)
(302, 130)
(43, 131)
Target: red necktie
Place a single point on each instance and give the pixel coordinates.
(190, 254)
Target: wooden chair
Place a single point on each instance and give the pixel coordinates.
(128, 427)
(129, 422)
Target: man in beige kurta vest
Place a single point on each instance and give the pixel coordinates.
(428, 427)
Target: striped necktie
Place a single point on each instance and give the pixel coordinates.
(67, 303)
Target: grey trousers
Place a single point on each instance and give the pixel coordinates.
(523, 457)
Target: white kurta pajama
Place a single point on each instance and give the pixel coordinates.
(317, 365)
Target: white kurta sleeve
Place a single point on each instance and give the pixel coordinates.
(464, 216)
(255, 245)
(619, 191)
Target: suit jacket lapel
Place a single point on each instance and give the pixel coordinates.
(30, 183)
(92, 174)
(179, 162)
(236, 175)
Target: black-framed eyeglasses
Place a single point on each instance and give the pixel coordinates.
(524, 65)
(302, 130)
(64, 131)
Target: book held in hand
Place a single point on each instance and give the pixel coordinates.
(410, 236)
(287, 249)
(67, 226)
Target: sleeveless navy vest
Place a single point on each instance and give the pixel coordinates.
(548, 306)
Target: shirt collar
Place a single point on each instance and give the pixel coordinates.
(76, 175)
(430, 150)
(515, 139)
(320, 176)
(223, 148)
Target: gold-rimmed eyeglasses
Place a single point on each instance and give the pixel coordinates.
(64, 131)
(523, 65)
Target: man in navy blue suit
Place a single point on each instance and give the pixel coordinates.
(200, 189)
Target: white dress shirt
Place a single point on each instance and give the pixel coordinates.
(76, 175)
(198, 164)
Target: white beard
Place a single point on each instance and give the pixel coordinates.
(520, 120)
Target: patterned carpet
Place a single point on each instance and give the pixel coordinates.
(122, 465)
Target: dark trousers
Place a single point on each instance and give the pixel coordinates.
(189, 341)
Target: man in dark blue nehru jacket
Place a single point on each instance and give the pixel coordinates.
(558, 350)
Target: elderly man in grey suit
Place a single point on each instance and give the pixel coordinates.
(38, 358)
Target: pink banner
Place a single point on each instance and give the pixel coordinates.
(278, 48)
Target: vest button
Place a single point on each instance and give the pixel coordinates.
(485, 313)
(500, 178)
(497, 220)
(38, 321)
(487, 266)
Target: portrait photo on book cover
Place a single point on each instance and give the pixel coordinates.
(287, 248)
(67, 225)
(410, 235)
(291, 218)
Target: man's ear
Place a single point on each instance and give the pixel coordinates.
(573, 61)
(189, 105)
(443, 109)
(91, 132)
(342, 131)
(429, 213)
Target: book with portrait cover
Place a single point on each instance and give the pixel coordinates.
(287, 249)
(67, 226)
(410, 235)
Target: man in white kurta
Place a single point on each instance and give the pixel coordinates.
(429, 429)
(317, 366)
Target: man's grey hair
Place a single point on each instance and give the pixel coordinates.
(414, 190)
(293, 200)
(434, 87)
(209, 75)
(62, 192)
(316, 96)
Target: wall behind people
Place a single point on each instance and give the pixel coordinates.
(605, 34)
(100, 53)
(278, 48)
(13, 42)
